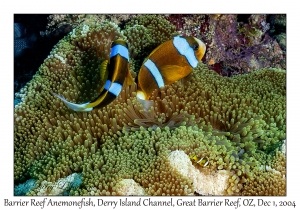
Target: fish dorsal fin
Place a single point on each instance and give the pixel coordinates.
(173, 73)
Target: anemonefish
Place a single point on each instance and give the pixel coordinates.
(202, 162)
(169, 62)
(115, 72)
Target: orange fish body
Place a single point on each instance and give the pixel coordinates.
(168, 63)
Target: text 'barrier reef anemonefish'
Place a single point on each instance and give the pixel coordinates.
(168, 63)
(115, 72)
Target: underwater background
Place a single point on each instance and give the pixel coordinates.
(230, 111)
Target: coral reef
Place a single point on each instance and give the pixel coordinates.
(242, 46)
(24, 188)
(61, 187)
(236, 44)
(278, 29)
(237, 123)
(64, 23)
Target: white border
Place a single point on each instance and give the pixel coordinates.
(153, 6)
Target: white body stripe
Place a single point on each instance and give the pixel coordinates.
(206, 163)
(121, 50)
(184, 49)
(107, 84)
(115, 88)
(155, 73)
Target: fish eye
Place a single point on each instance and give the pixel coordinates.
(195, 46)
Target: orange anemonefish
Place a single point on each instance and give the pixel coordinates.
(115, 72)
(169, 62)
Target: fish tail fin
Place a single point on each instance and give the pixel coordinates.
(142, 99)
(73, 106)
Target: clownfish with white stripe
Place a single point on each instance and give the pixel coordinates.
(204, 161)
(115, 72)
(168, 63)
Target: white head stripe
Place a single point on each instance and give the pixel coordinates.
(115, 88)
(185, 49)
(121, 50)
(155, 73)
(107, 84)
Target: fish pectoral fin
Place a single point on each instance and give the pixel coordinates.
(73, 106)
(173, 73)
(103, 70)
(128, 79)
(146, 104)
(142, 98)
(185, 80)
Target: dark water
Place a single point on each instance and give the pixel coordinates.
(29, 59)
